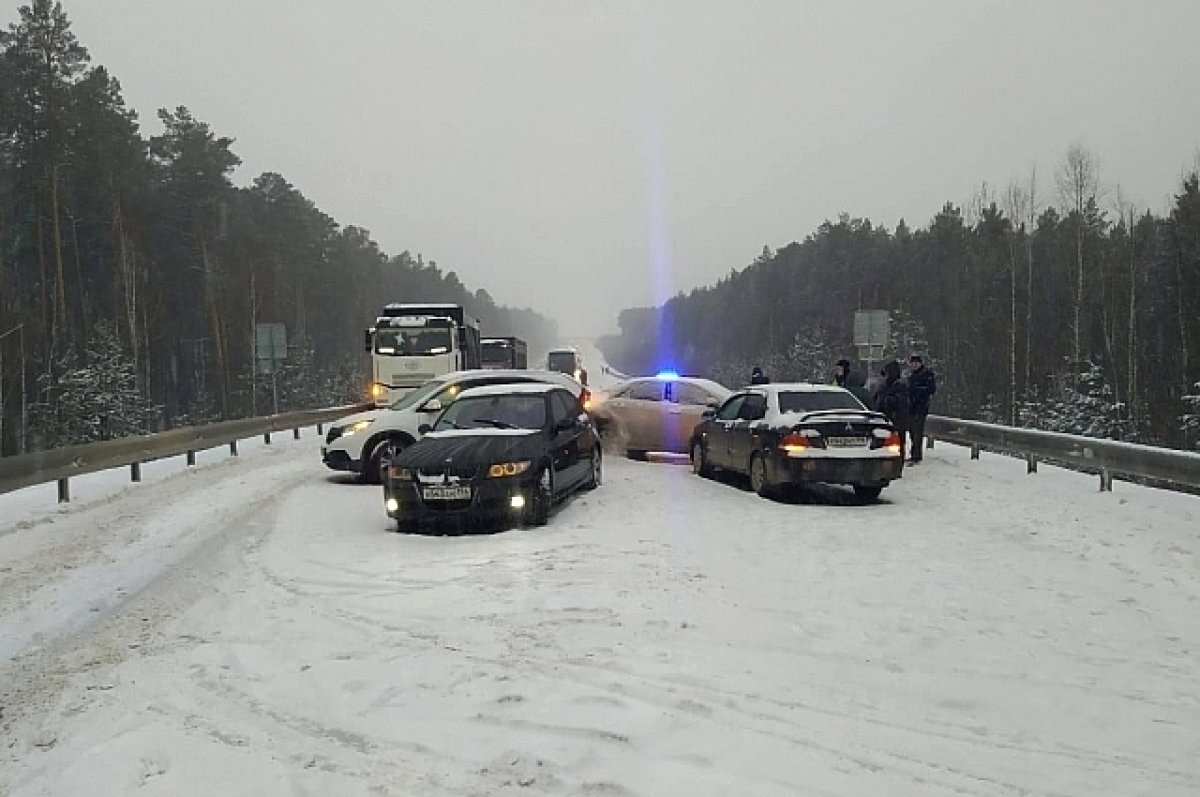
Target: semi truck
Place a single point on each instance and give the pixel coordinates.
(507, 352)
(412, 343)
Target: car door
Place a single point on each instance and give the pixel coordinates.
(743, 434)
(689, 402)
(566, 430)
(719, 430)
(640, 415)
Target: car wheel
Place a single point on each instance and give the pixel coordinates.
(596, 477)
(375, 471)
(758, 476)
(700, 465)
(538, 513)
(406, 525)
(865, 493)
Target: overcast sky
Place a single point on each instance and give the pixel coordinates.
(583, 157)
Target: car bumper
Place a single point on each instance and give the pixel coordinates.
(336, 459)
(867, 472)
(490, 503)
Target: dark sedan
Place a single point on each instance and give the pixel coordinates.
(499, 455)
(794, 434)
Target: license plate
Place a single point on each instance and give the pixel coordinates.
(846, 442)
(446, 493)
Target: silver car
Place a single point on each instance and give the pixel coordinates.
(656, 413)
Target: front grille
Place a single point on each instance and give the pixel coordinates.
(333, 434)
(455, 471)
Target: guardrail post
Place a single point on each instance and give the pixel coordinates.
(135, 471)
(191, 458)
(296, 433)
(974, 451)
(1105, 480)
(929, 442)
(233, 448)
(267, 438)
(320, 431)
(64, 491)
(1030, 463)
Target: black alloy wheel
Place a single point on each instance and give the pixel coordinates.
(596, 477)
(700, 465)
(758, 476)
(538, 511)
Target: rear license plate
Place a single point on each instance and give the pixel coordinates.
(846, 442)
(446, 493)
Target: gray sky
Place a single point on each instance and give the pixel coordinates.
(582, 157)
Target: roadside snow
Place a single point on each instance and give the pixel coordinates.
(979, 631)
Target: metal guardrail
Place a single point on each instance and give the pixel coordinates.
(1108, 458)
(60, 464)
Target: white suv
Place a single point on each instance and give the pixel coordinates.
(364, 443)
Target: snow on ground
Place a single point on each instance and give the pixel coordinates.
(253, 627)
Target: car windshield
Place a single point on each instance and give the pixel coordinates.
(498, 353)
(502, 411)
(562, 361)
(812, 401)
(412, 341)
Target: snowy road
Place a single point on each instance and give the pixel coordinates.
(252, 628)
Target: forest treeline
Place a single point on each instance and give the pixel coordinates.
(132, 269)
(1061, 307)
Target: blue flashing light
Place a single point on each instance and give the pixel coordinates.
(667, 375)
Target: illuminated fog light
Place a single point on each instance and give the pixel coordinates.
(392, 504)
(517, 502)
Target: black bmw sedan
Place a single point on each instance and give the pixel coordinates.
(498, 456)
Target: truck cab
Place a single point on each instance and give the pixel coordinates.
(411, 344)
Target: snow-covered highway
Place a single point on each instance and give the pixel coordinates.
(252, 627)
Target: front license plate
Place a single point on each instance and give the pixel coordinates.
(446, 493)
(846, 442)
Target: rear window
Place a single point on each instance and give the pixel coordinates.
(562, 361)
(813, 401)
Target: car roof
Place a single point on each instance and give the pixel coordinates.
(516, 374)
(794, 387)
(699, 381)
(525, 388)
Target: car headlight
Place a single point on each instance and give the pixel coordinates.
(357, 426)
(502, 469)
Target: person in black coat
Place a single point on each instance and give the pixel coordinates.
(757, 377)
(922, 384)
(893, 400)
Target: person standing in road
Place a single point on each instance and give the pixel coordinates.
(922, 384)
(893, 400)
(757, 377)
(845, 379)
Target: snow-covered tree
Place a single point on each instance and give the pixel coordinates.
(1189, 422)
(94, 397)
(1077, 403)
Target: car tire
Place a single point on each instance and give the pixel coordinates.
(596, 477)
(636, 453)
(381, 456)
(700, 464)
(538, 513)
(406, 525)
(759, 481)
(865, 493)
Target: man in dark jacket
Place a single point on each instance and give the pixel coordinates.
(757, 377)
(893, 400)
(922, 384)
(843, 378)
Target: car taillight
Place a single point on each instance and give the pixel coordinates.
(894, 443)
(585, 399)
(795, 442)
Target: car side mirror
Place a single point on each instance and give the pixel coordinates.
(708, 414)
(424, 429)
(565, 425)
(367, 339)
(433, 405)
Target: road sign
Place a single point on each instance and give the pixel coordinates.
(270, 346)
(872, 328)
